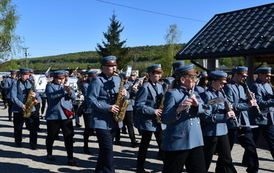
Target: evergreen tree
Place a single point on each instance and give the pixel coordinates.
(113, 45)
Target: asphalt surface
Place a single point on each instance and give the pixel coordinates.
(24, 160)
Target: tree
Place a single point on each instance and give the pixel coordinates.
(8, 21)
(172, 39)
(113, 45)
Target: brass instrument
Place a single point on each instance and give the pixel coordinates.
(161, 106)
(228, 107)
(121, 101)
(31, 101)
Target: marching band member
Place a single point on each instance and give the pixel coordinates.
(87, 110)
(264, 96)
(203, 83)
(169, 80)
(147, 105)
(183, 140)
(214, 126)
(101, 96)
(59, 115)
(7, 87)
(19, 93)
(128, 120)
(237, 96)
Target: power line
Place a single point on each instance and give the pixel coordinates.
(139, 9)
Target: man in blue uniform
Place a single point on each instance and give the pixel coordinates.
(238, 97)
(87, 110)
(101, 96)
(183, 140)
(264, 96)
(214, 125)
(147, 103)
(19, 93)
(169, 80)
(7, 87)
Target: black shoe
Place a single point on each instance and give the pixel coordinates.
(50, 158)
(72, 163)
(78, 125)
(141, 170)
(124, 131)
(5, 107)
(135, 144)
(86, 150)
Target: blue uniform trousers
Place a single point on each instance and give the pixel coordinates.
(31, 124)
(88, 131)
(146, 138)
(105, 157)
(245, 138)
(53, 128)
(193, 159)
(220, 144)
(268, 132)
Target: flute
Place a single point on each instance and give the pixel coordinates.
(192, 91)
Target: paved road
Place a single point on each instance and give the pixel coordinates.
(25, 160)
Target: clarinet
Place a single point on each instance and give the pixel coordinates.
(251, 97)
(228, 107)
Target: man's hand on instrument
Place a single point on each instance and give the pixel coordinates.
(114, 108)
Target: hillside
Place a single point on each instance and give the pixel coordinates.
(84, 60)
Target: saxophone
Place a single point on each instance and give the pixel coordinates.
(31, 101)
(158, 118)
(122, 103)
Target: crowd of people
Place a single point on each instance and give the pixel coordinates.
(192, 115)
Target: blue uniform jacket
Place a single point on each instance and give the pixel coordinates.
(57, 98)
(147, 100)
(214, 119)
(127, 86)
(237, 97)
(102, 92)
(19, 93)
(7, 86)
(183, 131)
(263, 93)
(199, 89)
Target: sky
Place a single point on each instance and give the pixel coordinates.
(54, 27)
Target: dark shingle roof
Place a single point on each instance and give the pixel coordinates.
(238, 33)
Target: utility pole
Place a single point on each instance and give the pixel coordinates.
(26, 55)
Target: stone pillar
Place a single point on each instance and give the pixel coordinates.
(211, 64)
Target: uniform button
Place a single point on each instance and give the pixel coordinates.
(198, 122)
(190, 119)
(191, 123)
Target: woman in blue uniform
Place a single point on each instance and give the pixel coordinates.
(214, 125)
(59, 115)
(147, 105)
(101, 96)
(183, 140)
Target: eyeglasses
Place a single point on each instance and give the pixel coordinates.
(190, 76)
(110, 65)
